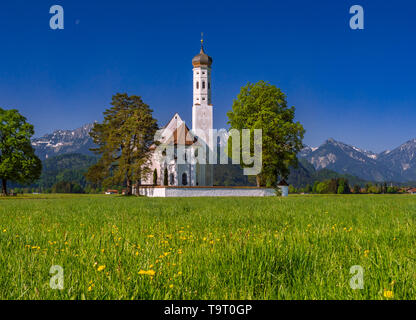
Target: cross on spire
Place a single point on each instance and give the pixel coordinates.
(202, 42)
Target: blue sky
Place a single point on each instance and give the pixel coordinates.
(357, 86)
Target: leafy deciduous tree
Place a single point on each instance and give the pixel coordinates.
(263, 106)
(18, 161)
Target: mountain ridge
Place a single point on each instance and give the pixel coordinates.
(396, 165)
(63, 142)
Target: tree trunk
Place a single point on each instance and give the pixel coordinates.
(137, 185)
(258, 180)
(4, 187)
(129, 188)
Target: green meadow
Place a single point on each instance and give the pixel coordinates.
(300, 247)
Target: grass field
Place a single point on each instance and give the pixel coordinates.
(301, 247)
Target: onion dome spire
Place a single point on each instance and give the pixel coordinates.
(202, 59)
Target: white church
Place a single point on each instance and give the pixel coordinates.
(183, 168)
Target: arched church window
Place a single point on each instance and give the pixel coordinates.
(203, 84)
(172, 179)
(197, 84)
(184, 179)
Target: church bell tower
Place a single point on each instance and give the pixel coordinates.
(202, 109)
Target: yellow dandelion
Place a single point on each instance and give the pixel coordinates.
(388, 294)
(150, 273)
(171, 286)
(100, 268)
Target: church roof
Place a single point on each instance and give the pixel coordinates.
(179, 133)
(182, 135)
(202, 59)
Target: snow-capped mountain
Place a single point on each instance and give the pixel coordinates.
(402, 159)
(306, 151)
(347, 159)
(64, 141)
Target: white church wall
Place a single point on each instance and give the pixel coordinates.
(207, 192)
(153, 192)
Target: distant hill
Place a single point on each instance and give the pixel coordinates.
(306, 174)
(65, 168)
(231, 175)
